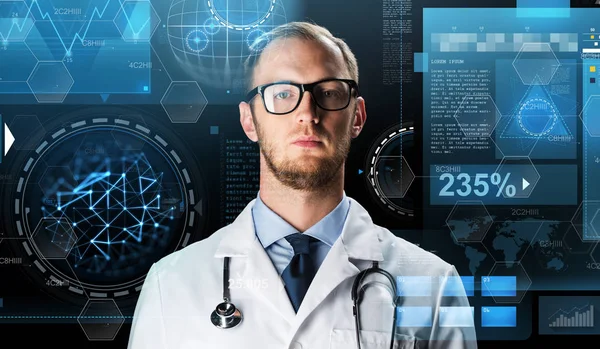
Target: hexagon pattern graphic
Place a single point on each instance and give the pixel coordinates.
(536, 63)
(590, 116)
(101, 319)
(469, 221)
(574, 244)
(508, 241)
(126, 142)
(184, 102)
(50, 82)
(28, 131)
(399, 174)
(137, 20)
(55, 177)
(507, 282)
(54, 238)
(477, 115)
(517, 172)
(583, 218)
(595, 252)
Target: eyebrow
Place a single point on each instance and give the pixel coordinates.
(295, 82)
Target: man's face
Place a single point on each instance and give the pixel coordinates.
(300, 166)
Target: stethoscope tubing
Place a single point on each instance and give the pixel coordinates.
(226, 315)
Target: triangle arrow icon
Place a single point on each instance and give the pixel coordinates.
(525, 183)
(104, 96)
(360, 171)
(9, 139)
(198, 207)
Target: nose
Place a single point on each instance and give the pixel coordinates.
(307, 110)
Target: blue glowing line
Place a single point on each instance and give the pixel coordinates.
(81, 38)
(70, 202)
(112, 223)
(91, 179)
(142, 190)
(124, 190)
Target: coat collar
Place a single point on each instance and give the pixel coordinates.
(360, 240)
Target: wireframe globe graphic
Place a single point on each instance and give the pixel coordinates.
(211, 38)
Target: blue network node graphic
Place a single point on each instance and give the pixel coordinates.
(112, 210)
(102, 45)
(102, 202)
(211, 39)
(120, 206)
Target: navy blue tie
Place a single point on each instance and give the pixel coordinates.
(301, 270)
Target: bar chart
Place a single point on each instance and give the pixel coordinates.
(568, 315)
(578, 318)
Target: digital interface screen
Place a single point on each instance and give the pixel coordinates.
(121, 143)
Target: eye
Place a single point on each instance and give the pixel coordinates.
(331, 93)
(282, 95)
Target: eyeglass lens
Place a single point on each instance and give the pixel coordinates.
(329, 95)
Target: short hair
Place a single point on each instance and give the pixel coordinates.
(302, 30)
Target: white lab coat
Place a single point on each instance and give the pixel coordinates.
(182, 289)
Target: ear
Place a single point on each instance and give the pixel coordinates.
(247, 122)
(360, 117)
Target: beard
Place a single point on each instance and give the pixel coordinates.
(305, 175)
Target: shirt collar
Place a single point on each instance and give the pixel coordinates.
(270, 227)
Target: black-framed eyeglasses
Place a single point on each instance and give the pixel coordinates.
(283, 97)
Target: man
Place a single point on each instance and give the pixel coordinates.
(295, 251)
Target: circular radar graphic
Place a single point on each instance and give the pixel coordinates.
(197, 41)
(241, 14)
(537, 117)
(211, 39)
(99, 201)
(389, 173)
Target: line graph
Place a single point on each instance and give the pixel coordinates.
(96, 12)
(12, 21)
(576, 317)
(562, 315)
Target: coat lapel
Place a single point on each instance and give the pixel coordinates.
(359, 241)
(253, 264)
(260, 267)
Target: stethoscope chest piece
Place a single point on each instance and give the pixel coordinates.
(226, 315)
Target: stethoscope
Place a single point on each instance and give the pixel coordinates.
(226, 315)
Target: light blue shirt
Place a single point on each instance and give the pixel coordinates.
(271, 231)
